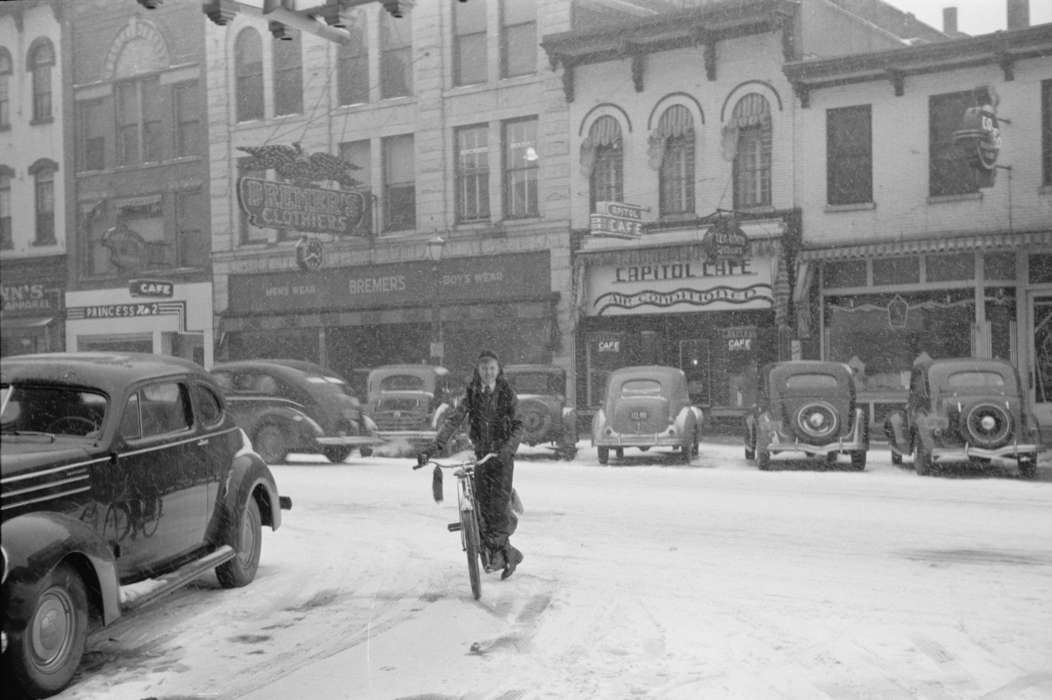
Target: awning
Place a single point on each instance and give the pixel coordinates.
(26, 322)
(947, 244)
(676, 121)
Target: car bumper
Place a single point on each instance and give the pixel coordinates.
(341, 440)
(780, 442)
(950, 454)
(638, 440)
(411, 436)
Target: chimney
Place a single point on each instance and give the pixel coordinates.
(1018, 14)
(949, 21)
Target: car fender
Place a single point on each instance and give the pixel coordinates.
(699, 417)
(750, 428)
(439, 415)
(36, 543)
(598, 421)
(686, 421)
(282, 414)
(248, 474)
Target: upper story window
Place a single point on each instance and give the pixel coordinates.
(1046, 130)
(187, 112)
(751, 119)
(5, 89)
(352, 61)
(469, 45)
(192, 244)
(673, 143)
(849, 155)
(399, 183)
(472, 163)
(396, 56)
(6, 239)
(948, 170)
(43, 172)
(518, 37)
(520, 169)
(288, 74)
(602, 160)
(140, 133)
(41, 60)
(94, 122)
(248, 68)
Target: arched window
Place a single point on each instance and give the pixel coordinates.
(672, 152)
(288, 74)
(248, 67)
(5, 89)
(602, 158)
(43, 172)
(751, 121)
(40, 61)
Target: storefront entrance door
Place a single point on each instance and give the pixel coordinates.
(694, 360)
(1041, 318)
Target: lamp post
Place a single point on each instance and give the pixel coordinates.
(434, 254)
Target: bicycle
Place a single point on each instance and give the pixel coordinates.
(467, 506)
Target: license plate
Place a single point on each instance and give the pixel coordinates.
(640, 415)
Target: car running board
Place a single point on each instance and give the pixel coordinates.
(132, 599)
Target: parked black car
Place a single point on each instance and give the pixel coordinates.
(809, 407)
(545, 414)
(116, 468)
(964, 410)
(409, 402)
(295, 406)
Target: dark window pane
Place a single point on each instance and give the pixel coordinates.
(193, 245)
(999, 266)
(896, 271)
(520, 169)
(849, 273)
(946, 268)
(288, 74)
(1040, 268)
(849, 155)
(352, 70)
(1046, 129)
(396, 56)
(470, 59)
(677, 176)
(519, 50)
(949, 172)
(399, 184)
(472, 186)
(248, 57)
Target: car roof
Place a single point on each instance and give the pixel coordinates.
(549, 369)
(282, 366)
(787, 366)
(109, 371)
(645, 371)
(409, 369)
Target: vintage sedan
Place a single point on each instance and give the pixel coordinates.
(116, 469)
(546, 416)
(964, 410)
(295, 406)
(809, 407)
(646, 406)
(408, 402)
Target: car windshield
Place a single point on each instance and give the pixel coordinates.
(974, 380)
(51, 409)
(641, 387)
(403, 382)
(534, 383)
(811, 381)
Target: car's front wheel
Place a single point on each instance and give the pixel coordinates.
(44, 657)
(271, 443)
(922, 460)
(248, 545)
(1028, 465)
(337, 453)
(604, 454)
(763, 459)
(858, 460)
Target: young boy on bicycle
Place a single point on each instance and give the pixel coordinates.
(489, 405)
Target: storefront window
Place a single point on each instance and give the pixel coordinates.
(999, 266)
(896, 271)
(947, 268)
(1000, 319)
(882, 334)
(849, 273)
(1040, 268)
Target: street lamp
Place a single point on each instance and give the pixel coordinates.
(434, 254)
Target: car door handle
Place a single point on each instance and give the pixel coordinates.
(202, 443)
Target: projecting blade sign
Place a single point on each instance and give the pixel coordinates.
(616, 220)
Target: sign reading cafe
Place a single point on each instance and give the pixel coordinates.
(270, 204)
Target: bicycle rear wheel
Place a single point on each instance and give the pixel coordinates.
(469, 526)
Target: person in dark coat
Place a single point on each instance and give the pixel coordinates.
(489, 404)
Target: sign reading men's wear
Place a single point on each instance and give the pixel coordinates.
(296, 207)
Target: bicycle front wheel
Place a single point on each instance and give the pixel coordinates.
(469, 526)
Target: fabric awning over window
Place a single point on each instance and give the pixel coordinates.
(676, 121)
(997, 241)
(605, 131)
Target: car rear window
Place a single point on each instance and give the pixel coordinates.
(641, 387)
(811, 381)
(972, 379)
(402, 382)
(533, 383)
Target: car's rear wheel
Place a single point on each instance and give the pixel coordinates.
(763, 459)
(271, 443)
(896, 458)
(831, 457)
(240, 570)
(1028, 465)
(337, 454)
(366, 451)
(858, 460)
(620, 453)
(604, 454)
(44, 657)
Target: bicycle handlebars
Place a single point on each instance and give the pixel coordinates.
(457, 465)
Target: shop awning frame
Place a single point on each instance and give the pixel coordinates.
(942, 244)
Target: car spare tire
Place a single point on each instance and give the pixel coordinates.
(987, 425)
(816, 421)
(536, 421)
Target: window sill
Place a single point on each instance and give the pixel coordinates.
(45, 120)
(42, 244)
(948, 198)
(175, 160)
(858, 206)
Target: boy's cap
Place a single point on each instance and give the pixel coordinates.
(488, 355)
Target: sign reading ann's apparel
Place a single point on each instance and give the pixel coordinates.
(494, 278)
(676, 287)
(35, 287)
(300, 207)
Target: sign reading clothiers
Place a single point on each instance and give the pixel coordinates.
(300, 207)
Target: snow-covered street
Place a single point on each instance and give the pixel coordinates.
(640, 580)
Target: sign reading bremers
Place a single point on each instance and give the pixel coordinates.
(300, 207)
